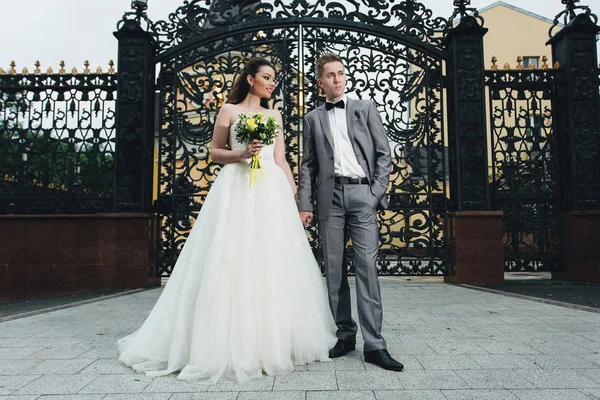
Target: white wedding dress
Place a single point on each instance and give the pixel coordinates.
(246, 295)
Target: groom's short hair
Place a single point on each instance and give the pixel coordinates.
(326, 59)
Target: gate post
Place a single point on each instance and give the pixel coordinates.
(134, 118)
(134, 143)
(475, 231)
(577, 123)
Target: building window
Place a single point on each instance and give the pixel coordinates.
(528, 61)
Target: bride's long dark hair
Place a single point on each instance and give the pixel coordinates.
(241, 87)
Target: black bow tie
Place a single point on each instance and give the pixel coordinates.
(329, 105)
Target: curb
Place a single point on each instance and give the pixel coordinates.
(69, 305)
(536, 299)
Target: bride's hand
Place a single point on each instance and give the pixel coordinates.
(252, 149)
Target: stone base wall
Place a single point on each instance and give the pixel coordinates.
(476, 248)
(50, 255)
(580, 234)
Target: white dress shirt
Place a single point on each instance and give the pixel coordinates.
(344, 158)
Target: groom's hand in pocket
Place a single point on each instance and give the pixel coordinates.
(306, 217)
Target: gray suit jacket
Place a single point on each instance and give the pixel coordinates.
(370, 144)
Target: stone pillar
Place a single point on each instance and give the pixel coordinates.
(475, 259)
(577, 120)
(134, 119)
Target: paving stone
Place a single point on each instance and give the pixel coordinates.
(12, 342)
(456, 348)
(101, 352)
(550, 394)
(431, 379)
(58, 353)
(409, 395)
(170, 384)
(591, 393)
(519, 320)
(340, 395)
(10, 384)
(502, 361)
(57, 384)
(399, 349)
(279, 395)
(361, 380)
(348, 362)
(558, 378)
(144, 396)
(205, 396)
(494, 379)
(59, 367)
(307, 380)
(260, 384)
(479, 395)
(134, 383)
(14, 330)
(512, 337)
(495, 347)
(18, 353)
(107, 366)
(447, 361)
(455, 343)
(559, 348)
(70, 397)
(16, 367)
(53, 342)
(593, 374)
(563, 361)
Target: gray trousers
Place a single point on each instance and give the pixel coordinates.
(354, 209)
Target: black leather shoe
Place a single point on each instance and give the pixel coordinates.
(383, 359)
(341, 348)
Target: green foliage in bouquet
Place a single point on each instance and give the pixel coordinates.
(256, 126)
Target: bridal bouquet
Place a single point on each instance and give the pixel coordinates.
(256, 126)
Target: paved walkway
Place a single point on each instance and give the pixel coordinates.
(456, 343)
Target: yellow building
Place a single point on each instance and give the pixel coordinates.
(516, 39)
(514, 32)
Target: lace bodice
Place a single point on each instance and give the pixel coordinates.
(266, 154)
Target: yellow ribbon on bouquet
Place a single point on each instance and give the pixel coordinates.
(255, 126)
(255, 165)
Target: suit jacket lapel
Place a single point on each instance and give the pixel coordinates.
(350, 121)
(325, 125)
(357, 141)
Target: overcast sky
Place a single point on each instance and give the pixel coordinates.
(78, 30)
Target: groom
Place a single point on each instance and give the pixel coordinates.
(347, 156)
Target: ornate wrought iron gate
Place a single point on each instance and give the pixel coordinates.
(57, 141)
(394, 57)
(524, 172)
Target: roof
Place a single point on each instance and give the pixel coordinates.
(505, 4)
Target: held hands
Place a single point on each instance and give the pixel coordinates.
(306, 217)
(252, 149)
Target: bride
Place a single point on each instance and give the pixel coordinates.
(246, 295)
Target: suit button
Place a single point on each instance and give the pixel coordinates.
(331, 176)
